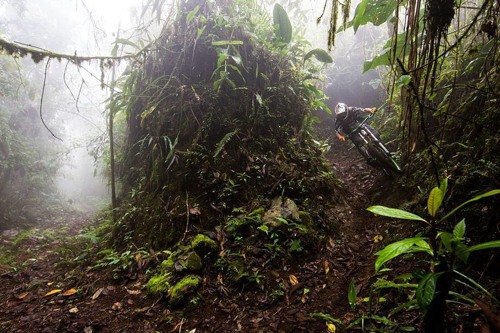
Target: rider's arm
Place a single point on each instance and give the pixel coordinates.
(338, 126)
(360, 113)
(340, 136)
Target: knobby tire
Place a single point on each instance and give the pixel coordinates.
(385, 161)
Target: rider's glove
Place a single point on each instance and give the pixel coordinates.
(341, 138)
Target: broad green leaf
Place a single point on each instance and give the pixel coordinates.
(479, 197)
(386, 57)
(352, 295)
(484, 246)
(320, 54)
(192, 14)
(395, 213)
(459, 230)
(402, 81)
(359, 15)
(374, 11)
(444, 186)
(446, 239)
(462, 252)
(434, 201)
(282, 23)
(200, 31)
(258, 97)
(407, 245)
(380, 60)
(426, 290)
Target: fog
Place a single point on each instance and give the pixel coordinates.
(73, 101)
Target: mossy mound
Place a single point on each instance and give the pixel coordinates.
(218, 117)
(158, 284)
(204, 246)
(184, 289)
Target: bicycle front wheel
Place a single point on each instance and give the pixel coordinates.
(386, 161)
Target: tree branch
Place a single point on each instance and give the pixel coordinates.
(18, 49)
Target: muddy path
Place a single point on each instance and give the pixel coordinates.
(85, 300)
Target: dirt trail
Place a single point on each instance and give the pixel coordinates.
(106, 305)
(360, 230)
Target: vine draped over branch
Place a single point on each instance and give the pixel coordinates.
(17, 49)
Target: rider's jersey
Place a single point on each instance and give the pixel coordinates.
(351, 120)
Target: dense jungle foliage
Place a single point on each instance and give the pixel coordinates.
(220, 127)
(220, 145)
(28, 163)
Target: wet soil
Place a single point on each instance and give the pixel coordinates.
(46, 293)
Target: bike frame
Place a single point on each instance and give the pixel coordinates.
(388, 164)
(365, 132)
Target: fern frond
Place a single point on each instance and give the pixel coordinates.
(222, 143)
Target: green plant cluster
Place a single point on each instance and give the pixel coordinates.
(220, 120)
(438, 280)
(178, 274)
(28, 163)
(258, 240)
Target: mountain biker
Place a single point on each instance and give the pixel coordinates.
(347, 120)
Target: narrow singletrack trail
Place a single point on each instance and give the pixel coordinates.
(104, 304)
(361, 231)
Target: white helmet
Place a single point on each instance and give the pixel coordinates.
(340, 108)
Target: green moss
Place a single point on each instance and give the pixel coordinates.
(184, 289)
(204, 245)
(22, 237)
(193, 262)
(167, 265)
(158, 283)
(7, 259)
(306, 219)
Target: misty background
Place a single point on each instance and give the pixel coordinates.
(74, 98)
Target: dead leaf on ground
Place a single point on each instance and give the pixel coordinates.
(52, 292)
(133, 292)
(73, 310)
(293, 280)
(69, 292)
(97, 293)
(108, 290)
(327, 267)
(23, 295)
(117, 306)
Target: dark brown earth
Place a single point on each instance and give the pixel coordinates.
(95, 302)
